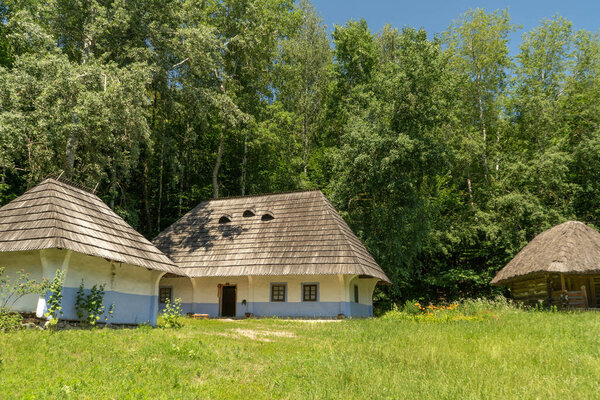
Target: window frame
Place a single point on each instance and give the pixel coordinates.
(317, 294)
(285, 292)
(356, 294)
(170, 288)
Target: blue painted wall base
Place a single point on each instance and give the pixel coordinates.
(286, 309)
(128, 309)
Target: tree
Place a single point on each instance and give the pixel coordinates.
(302, 76)
(478, 45)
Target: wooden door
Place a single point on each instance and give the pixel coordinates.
(228, 300)
(576, 282)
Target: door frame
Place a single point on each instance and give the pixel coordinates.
(234, 300)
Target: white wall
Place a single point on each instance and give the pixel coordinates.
(29, 261)
(133, 290)
(365, 289)
(329, 287)
(335, 294)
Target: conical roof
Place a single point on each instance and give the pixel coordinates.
(56, 214)
(569, 248)
(296, 233)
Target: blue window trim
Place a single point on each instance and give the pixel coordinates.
(285, 292)
(318, 292)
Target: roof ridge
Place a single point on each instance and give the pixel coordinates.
(260, 195)
(61, 179)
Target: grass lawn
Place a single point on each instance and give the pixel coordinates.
(523, 355)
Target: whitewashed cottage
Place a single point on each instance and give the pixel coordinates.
(283, 255)
(60, 226)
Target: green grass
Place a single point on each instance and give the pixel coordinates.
(523, 355)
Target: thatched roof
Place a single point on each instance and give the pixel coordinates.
(289, 234)
(55, 214)
(569, 248)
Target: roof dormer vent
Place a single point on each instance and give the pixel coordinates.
(225, 219)
(249, 213)
(268, 216)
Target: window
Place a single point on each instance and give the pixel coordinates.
(248, 213)
(225, 219)
(165, 293)
(267, 217)
(356, 293)
(278, 292)
(309, 292)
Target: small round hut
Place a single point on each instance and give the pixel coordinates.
(560, 266)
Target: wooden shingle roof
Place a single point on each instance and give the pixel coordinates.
(55, 214)
(305, 236)
(569, 248)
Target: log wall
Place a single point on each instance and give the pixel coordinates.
(531, 291)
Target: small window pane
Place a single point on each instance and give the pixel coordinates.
(278, 292)
(309, 293)
(356, 293)
(165, 293)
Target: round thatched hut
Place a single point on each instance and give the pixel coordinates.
(560, 266)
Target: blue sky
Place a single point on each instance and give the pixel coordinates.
(436, 15)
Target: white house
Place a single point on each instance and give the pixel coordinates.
(60, 226)
(285, 254)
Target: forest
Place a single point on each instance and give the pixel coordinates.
(444, 152)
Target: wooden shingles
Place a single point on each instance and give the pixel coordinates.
(55, 214)
(306, 237)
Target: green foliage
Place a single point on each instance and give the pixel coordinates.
(10, 321)
(54, 298)
(90, 306)
(171, 316)
(12, 289)
(474, 310)
(445, 155)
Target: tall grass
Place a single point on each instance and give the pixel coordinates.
(520, 355)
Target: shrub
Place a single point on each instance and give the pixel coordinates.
(12, 290)
(55, 298)
(90, 307)
(10, 321)
(464, 310)
(171, 317)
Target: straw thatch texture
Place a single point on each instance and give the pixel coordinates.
(305, 236)
(568, 248)
(55, 214)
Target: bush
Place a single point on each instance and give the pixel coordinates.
(55, 298)
(171, 317)
(12, 290)
(464, 310)
(90, 307)
(10, 321)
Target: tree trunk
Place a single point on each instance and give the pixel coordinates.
(306, 144)
(147, 198)
(244, 162)
(470, 192)
(160, 183)
(484, 131)
(215, 173)
(497, 152)
(70, 156)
